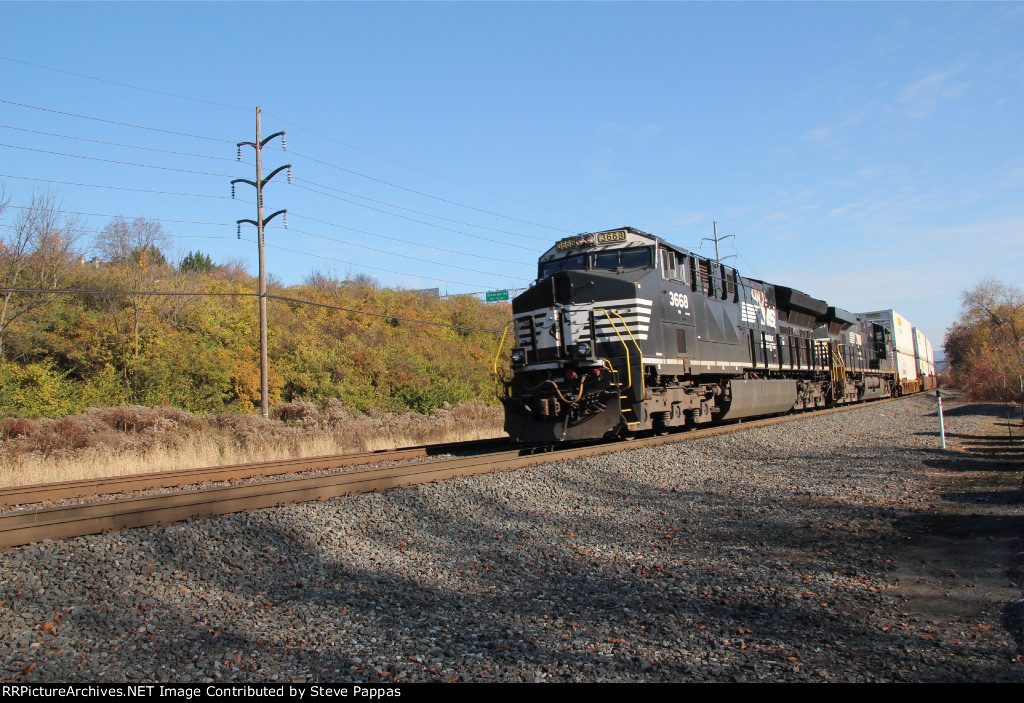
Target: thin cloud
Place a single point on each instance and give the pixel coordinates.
(832, 136)
(921, 99)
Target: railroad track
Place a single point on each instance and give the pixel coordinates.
(60, 522)
(51, 492)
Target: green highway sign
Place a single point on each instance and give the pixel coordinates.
(494, 296)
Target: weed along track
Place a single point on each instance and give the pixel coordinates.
(33, 525)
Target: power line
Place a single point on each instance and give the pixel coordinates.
(378, 268)
(126, 146)
(136, 190)
(65, 291)
(175, 236)
(153, 219)
(418, 212)
(426, 195)
(372, 268)
(112, 161)
(389, 317)
(305, 129)
(220, 158)
(312, 219)
(412, 219)
(122, 124)
(288, 122)
(391, 253)
(123, 85)
(434, 175)
(403, 241)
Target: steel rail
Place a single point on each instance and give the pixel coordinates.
(37, 493)
(28, 526)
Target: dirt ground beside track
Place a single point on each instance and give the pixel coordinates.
(964, 554)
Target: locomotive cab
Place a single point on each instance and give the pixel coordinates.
(579, 337)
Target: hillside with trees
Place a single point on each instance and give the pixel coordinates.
(143, 330)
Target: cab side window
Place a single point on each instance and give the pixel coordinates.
(673, 265)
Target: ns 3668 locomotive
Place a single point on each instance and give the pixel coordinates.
(623, 332)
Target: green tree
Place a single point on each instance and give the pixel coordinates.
(197, 262)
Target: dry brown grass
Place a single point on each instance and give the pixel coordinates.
(134, 439)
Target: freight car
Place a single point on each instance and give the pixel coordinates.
(623, 332)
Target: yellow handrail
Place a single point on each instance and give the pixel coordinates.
(629, 365)
(501, 345)
(638, 351)
(838, 368)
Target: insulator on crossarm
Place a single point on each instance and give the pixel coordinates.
(232, 191)
(284, 145)
(285, 220)
(239, 230)
(239, 153)
(289, 174)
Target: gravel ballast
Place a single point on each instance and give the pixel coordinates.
(783, 553)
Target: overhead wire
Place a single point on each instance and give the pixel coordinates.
(220, 175)
(426, 195)
(391, 253)
(403, 241)
(418, 212)
(65, 291)
(126, 146)
(112, 161)
(154, 219)
(363, 266)
(122, 124)
(137, 190)
(298, 126)
(312, 234)
(124, 85)
(320, 185)
(412, 219)
(300, 155)
(432, 175)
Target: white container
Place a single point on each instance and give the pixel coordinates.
(923, 354)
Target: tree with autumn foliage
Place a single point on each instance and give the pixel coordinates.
(37, 251)
(985, 346)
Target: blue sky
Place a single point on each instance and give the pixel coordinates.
(870, 154)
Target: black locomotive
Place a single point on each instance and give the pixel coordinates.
(623, 332)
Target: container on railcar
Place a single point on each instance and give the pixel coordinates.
(924, 359)
(903, 340)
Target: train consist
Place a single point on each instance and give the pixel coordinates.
(623, 332)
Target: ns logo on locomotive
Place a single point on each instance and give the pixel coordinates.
(623, 332)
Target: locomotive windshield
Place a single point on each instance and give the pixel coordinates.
(623, 258)
(633, 257)
(569, 263)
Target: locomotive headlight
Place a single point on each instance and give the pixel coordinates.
(518, 357)
(582, 349)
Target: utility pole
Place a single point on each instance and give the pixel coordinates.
(718, 257)
(261, 223)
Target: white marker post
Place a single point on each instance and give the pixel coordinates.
(942, 421)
